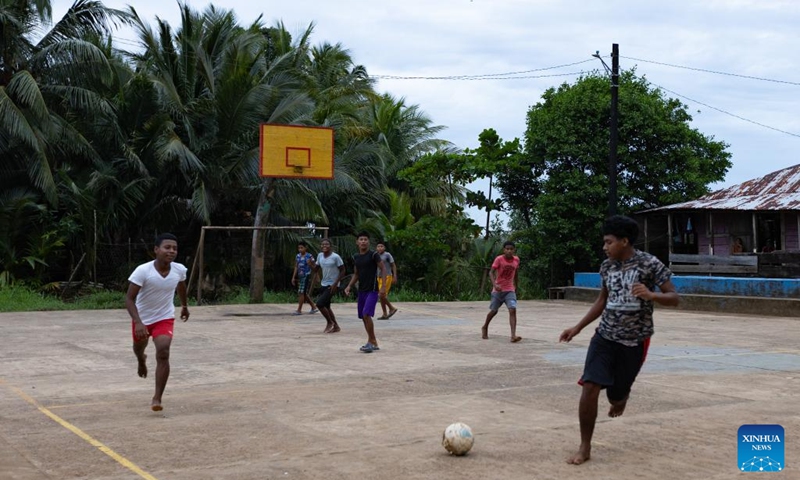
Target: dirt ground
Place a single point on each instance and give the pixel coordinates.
(258, 394)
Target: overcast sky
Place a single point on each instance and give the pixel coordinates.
(434, 38)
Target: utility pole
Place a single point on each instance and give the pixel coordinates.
(612, 157)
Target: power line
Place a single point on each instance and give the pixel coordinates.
(391, 77)
(486, 76)
(726, 112)
(763, 79)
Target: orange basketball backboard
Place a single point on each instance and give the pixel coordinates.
(293, 151)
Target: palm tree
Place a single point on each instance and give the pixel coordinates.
(405, 134)
(45, 85)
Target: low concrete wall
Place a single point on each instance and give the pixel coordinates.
(729, 286)
(764, 306)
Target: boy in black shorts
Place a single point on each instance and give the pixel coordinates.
(619, 345)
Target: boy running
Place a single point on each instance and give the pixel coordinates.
(619, 345)
(150, 304)
(301, 276)
(504, 278)
(332, 268)
(368, 264)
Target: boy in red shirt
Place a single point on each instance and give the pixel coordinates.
(504, 278)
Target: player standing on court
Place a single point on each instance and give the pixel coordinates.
(332, 267)
(150, 303)
(367, 265)
(391, 279)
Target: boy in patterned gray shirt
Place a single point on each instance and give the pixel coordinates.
(619, 345)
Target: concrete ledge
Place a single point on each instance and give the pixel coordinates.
(773, 307)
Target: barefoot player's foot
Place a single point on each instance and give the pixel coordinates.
(142, 371)
(155, 405)
(328, 328)
(335, 329)
(617, 408)
(583, 455)
(484, 333)
(515, 339)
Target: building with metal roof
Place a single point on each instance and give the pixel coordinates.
(759, 215)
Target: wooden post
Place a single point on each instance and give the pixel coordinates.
(755, 233)
(669, 232)
(783, 232)
(710, 232)
(200, 264)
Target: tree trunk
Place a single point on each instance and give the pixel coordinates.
(258, 247)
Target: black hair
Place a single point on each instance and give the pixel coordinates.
(362, 234)
(301, 242)
(324, 240)
(509, 243)
(381, 242)
(165, 236)
(622, 227)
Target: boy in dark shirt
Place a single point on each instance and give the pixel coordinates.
(619, 345)
(368, 265)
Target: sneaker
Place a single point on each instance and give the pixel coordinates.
(297, 313)
(367, 348)
(314, 310)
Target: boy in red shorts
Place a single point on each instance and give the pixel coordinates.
(150, 304)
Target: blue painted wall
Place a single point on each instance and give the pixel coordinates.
(748, 287)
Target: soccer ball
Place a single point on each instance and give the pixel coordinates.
(457, 438)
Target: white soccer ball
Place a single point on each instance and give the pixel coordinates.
(457, 438)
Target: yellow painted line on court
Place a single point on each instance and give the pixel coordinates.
(77, 431)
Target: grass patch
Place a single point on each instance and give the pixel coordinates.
(25, 299)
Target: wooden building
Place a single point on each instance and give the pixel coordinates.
(762, 215)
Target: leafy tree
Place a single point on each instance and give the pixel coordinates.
(558, 194)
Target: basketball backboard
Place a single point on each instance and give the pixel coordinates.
(294, 151)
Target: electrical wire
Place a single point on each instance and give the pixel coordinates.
(391, 77)
(726, 112)
(486, 76)
(763, 79)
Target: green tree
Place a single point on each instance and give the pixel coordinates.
(558, 194)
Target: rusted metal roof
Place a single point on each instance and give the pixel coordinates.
(775, 191)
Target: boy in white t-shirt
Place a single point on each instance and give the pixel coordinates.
(332, 267)
(150, 304)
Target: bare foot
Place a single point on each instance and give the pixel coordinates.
(142, 366)
(484, 332)
(328, 329)
(581, 456)
(335, 329)
(515, 339)
(617, 408)
(155, 405)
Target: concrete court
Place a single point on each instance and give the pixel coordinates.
(258, 394)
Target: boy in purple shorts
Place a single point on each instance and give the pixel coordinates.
(368, 266)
